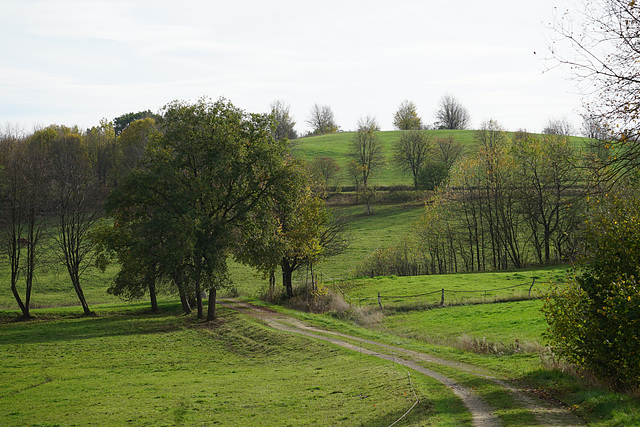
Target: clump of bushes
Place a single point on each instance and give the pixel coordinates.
(594, 319)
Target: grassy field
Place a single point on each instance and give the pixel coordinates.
(459, 288)
(129, 367)
(338, 145)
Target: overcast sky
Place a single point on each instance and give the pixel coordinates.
(77, 61)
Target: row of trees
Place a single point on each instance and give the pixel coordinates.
(516, 201)
(450, 114)
(185, 190)
(53, 186)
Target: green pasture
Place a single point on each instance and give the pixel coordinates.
(506, 323)
(337, 146)
(459, 288)
(134, 368)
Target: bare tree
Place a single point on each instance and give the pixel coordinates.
(322, 120)
(411, 152)
(285, 125)
(592, 129)
(560, 127)
(406, 118)
(448, 150)
(24, 198)
(78, 199)
(451, 114)
(326, 170)
(366, 149)
(599, 45)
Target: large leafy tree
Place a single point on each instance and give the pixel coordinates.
(288, 230)
(208, 169)
(120, 123)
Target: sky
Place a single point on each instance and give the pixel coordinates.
(74, 62)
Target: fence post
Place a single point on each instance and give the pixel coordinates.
(442, 298)
(379, 301)
(530, 287)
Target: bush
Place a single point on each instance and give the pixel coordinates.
(594, 320)
(432, 175)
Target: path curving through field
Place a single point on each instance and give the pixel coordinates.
(546, 413)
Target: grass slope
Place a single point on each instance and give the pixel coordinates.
(142, 369)
(337, 146)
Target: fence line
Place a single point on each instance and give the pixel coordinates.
(441, 291)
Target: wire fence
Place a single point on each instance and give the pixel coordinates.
(448, 296)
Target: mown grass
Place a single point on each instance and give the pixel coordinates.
(141, 369)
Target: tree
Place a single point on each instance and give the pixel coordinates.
(406, 117)
(560, 127)
(321, 120)
(211, 166)
(25, 179)
(601, 51)
(326, 170)
(120, 123)
(594, 319)
(451, 114)
(411, 152)
(448, 150)
(77, 198)
(549, 193)
(131, 145)
(285, 125)
(592, 129)
(366, 149)
(286, 230)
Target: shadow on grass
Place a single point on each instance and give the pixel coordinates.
(446, 410)
(51, 325)
(589, 400)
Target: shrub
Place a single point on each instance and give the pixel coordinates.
(594, 320)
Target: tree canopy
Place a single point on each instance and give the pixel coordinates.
(210, 166)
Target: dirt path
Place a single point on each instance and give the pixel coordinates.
(546, 413)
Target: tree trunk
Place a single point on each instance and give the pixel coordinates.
(184, 300)
(211, 309)
(199, 299)
(153, 296)
(272, 284)
(80, 293)
(287, 273)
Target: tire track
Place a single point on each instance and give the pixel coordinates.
(482, 414)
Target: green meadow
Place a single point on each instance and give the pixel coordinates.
(130, 367)
(126, 366)
(338, 145)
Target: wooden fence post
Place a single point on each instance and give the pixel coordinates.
(379, 301)
(442, 299)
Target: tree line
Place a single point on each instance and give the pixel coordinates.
(169, 197)
(516, 200)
